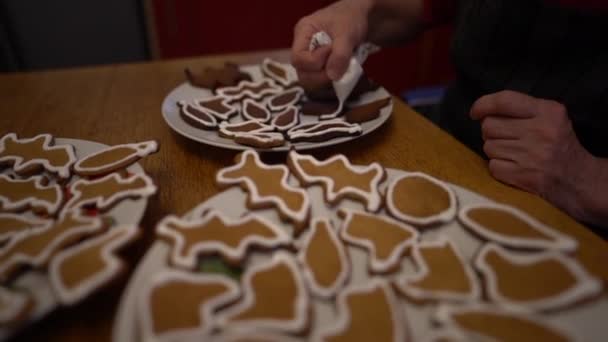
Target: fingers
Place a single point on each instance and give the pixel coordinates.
(313, 79)
(341, 52)
(511, 173)
(498, 127)
(502, 149)
(505, 103)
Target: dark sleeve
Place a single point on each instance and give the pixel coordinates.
(436, 12)
(581, 4)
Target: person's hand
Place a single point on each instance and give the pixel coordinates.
(531, 145)
(346, 24)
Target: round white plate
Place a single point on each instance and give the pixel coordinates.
(185, 91)
(587, 321)
(37, 283)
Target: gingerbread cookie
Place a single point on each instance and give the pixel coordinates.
(385, 239)
(366, 112)
(15, 306)
(323, 130)
(442, 274)
(513, 228)
(367, 312)
(12, 225)
(288, 98)
(545, 280)
(213, 78)
(37, 246)
(249, 90)
(486, 322)
(420, 199)
(114, 158)
(177, 305)
(267, 186)
(215, 234)
(78, 271)
(286, 120)
(255, 111)
(339, 178)
(274, 298)
(260, 139)
(218, 106)
(105, 192)
(230, 130)
(283, 74)
(196, 116)
(21, 194)
(326, 267)
(317, 108)
(28, 156)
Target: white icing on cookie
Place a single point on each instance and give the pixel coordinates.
(16, 224)
(290, 76)
(260, 139)
(296, 94)
(139, 150)
(293, 118)
(21, 194)
(247, 89)
(249, 108)
(196, 116)
(323, 130)
(546, 237)
(230, 130)
(44, 142)
(228, 109)
(69, 259)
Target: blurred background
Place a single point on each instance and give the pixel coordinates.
(42, 35)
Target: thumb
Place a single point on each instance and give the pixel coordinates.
(339, 58)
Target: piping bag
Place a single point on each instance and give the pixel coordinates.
(345, 85)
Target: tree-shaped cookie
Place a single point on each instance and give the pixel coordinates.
(176, 305)
(274, 298)
(325, 263)
(545, 280)
(21, 194)
(215, 234)
(80, 270)
(368, 312)
(267, 186)
(385, 239)
(442, 274)
(340, 179)
(28, 156)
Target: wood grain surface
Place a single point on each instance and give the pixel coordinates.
(121, 103)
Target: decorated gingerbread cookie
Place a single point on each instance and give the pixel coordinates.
(288, 98)
(274, 298)
(253, 110)
(35, 248)
(386, 240)
(15, 306)
(260, 139)
(22, 194)
(230, 130)
(178, 305)
(546, 280)
(214, 233)
(212, 78)
(28, 156)
(318, 108)
(78, 271)
(249, 90)
(283, 74)
(323, 130)
(286, 119)
(340, 179)
(487, 322)
(513, 228)
(105, 192)
(114, 158)
(324, 261)
(12, 225)
(218, 106)
(421, 200)
(267, 186)
(368, 312)
(366, 112)
(195, 116)
(442, 274)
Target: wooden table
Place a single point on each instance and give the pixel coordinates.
(121, 103)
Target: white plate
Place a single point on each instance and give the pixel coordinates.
(587, 321)
(185, 91)
(37, 283)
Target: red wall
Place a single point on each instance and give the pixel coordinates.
(196, 27)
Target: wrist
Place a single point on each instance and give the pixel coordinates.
(593, 195)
